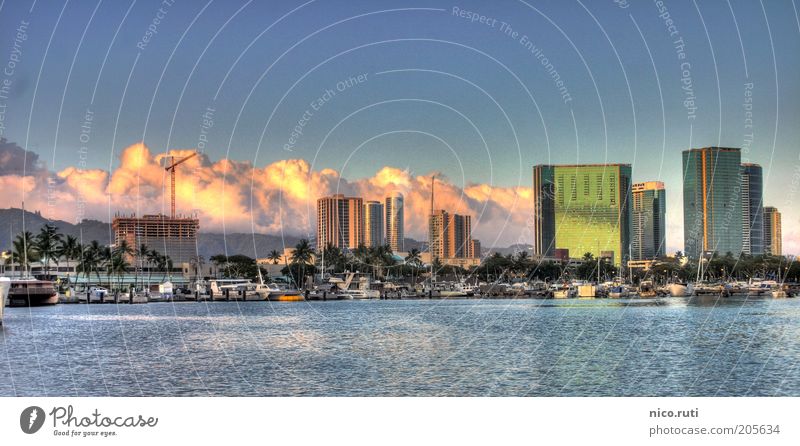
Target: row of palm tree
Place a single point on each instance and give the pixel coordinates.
(380, 260)
(49, 247)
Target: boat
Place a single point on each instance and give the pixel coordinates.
(617, 292)
(279, 293)
(139, 298)
(5, 284)
(647, 289)
(563, 291)
(124, 298)
(97, 294)
(587, 290)
(778, 293)
(30, 292)
(679, 290)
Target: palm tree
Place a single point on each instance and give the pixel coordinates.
(153, 259)
(24, 251)
(47, 244)
(89, 260)
(70, 249)
(274, 256)
(302, 255)
(118, 266)
(123, 249)
(414, 260)
(141, 258)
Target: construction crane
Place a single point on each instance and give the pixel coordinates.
(171, 169)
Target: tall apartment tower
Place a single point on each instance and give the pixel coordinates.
(752, 211)
(582, 208)
(395, 235)
(712, 201)
(450, 235)
(772, 232)
(340, 222)
(373, 224)
(649, 220)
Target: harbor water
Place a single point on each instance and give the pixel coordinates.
(479, 347)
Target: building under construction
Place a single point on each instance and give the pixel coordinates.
(175, 237)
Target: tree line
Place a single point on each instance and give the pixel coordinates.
(50, 247)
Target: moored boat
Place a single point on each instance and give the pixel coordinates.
(5, 284)
(29, 292)
(678, 290)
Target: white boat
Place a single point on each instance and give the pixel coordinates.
(276, 292)
(139, 298)
(5, 285)
(124, 298)
(678, 290)
(30, 292)
(97, 295)
(563, 291)
(778, 293)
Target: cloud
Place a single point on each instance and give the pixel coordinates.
(14, 160)
(236, 196)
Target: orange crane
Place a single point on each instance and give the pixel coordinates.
(171, 169)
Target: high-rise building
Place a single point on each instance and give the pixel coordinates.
(582, 208)
(544, 218)
(475, 249)
(437, 239)
(712, 201)
(395, 235)
(772, 232)
(450, 235)
(173, 237)
(373, 224)
(340, 222)
(752, 211)
(649, 220)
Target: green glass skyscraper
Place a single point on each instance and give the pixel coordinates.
(649, 221)
(712, 201)
(582, 208)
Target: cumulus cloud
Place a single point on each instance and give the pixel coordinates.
(236, 196)
(14, 160)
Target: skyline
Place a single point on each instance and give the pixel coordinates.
(386, 94)
(287, 190)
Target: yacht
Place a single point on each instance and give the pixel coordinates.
(647, 289)
(563, 291)
(618, 291)
(276, 292)
(5, 284)
(30, 292)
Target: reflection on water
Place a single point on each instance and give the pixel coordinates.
(692, 347)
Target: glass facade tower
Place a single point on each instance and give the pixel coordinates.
(772, 232)
(649, 221)
(373, 224)
(582, 208)
(395, 235)
(752, 211)
(712, 201)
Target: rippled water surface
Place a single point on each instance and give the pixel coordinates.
(364, 348)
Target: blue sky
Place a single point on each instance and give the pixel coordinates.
(441, 93)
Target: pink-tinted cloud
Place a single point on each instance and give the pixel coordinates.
(235, 196)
